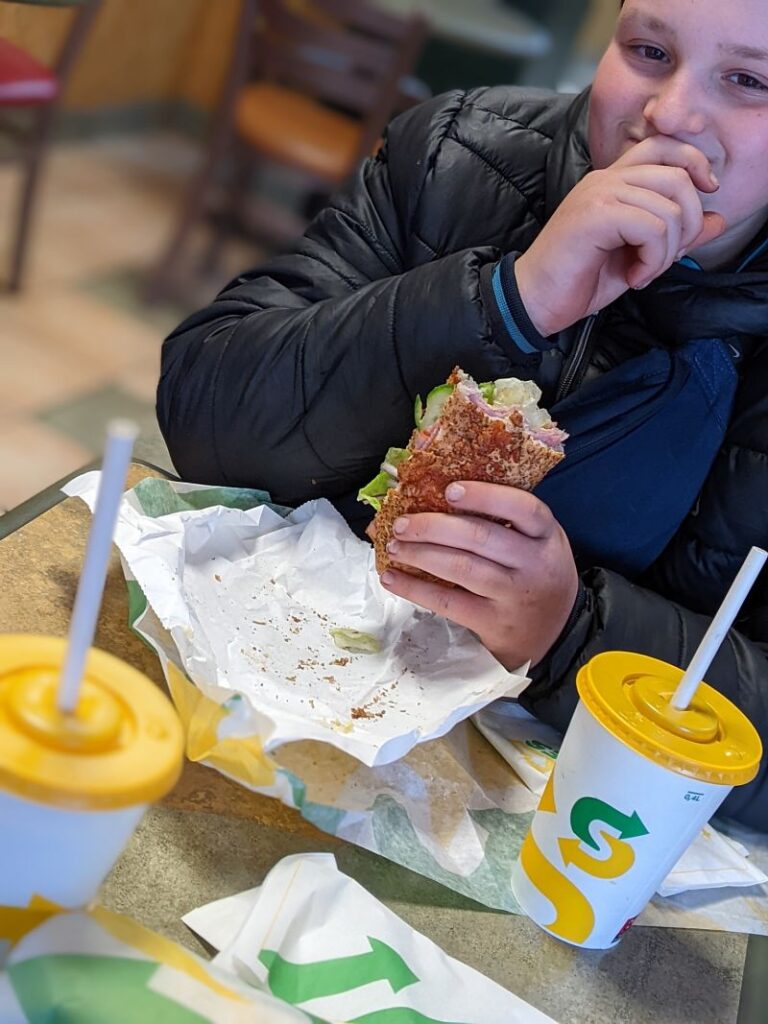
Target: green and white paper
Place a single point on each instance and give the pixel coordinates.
(315, 938)
(94, 967)
(455, 808)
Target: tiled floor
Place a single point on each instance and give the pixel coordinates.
(76, 346)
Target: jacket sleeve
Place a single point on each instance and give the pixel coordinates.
(303, 372)
(614, 614)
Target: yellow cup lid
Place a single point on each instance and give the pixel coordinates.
(711, 740)
(123, 744)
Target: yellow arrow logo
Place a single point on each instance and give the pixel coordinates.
(619, 861)
(575, 918)
(547, 802)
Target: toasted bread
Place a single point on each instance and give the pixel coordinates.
(466, 443)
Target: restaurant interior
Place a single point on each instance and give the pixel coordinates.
(115, 119)
(150, 151)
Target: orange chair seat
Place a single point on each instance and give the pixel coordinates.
(23, 80)
(295, 129)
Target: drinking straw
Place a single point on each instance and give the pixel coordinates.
(719, 626)
(117, 454)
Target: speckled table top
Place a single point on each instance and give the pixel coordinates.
(210, 838)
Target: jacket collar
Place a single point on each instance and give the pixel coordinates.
(685, 304)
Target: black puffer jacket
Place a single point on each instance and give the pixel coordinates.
(304, 371)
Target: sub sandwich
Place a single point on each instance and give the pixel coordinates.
(494, 432)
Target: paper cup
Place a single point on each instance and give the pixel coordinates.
(633, 784)
(74, 787)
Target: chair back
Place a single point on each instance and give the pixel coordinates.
(79, 27)
(347, 53)
(37, 89)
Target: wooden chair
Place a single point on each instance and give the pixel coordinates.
(29, 86)
(311, 86)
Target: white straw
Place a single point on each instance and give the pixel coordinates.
(117, 455)
(719, 626)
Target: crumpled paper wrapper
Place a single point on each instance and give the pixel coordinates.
(713, 861)
(455, 809)
(89, 965)
(317, 938)
(250, 598)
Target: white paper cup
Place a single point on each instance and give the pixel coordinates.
(633, 784)
(74, 787)
(61, 855)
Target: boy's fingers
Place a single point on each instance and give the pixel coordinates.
(666, 210)
(648, 234)
(452, 603)
(662, 149)
(465, 534)
(677, 188)
(472, 572)
(714, 226)
(521, 510)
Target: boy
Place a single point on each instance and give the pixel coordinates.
(611, 247)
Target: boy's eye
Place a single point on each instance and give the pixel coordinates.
(747, 81)
(649, 52)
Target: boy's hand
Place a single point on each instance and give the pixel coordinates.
(619, 228)
(515, 585)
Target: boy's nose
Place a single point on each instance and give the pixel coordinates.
(676, 107)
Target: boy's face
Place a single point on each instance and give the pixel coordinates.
(695, 70)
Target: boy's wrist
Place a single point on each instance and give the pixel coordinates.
(530, 292)
(540, 668)
(508, 313)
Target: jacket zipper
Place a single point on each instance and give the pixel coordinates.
(576, 358)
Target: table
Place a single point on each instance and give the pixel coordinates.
(210, 838)
(488, 25)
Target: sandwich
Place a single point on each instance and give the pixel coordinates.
(494, 432)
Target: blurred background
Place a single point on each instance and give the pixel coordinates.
(151, 149)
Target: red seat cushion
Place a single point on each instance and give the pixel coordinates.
(24, 80)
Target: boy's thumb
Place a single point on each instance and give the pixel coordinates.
(714, 226)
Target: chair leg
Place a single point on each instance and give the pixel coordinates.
(193, 204)
(158, 280)
(235, 198)
(33, 165)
